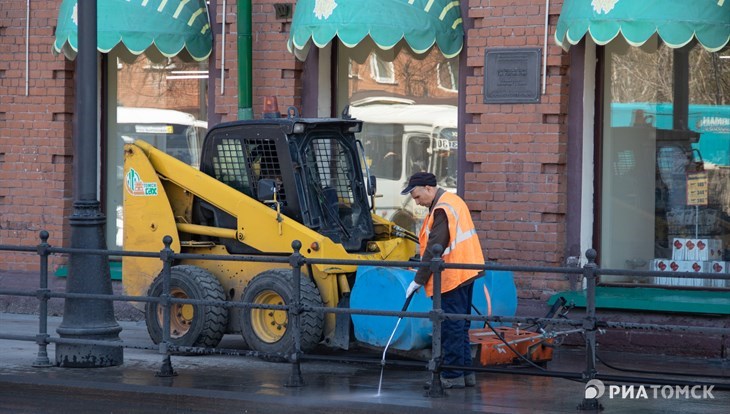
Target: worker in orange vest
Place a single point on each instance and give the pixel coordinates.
(449, 224)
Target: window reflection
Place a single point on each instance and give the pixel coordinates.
(161, 101)
(447, 76)
(408, 103)
(666, 164)
(381, 71)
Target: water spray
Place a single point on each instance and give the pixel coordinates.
(382, 361)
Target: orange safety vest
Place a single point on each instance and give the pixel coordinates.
(463, 245)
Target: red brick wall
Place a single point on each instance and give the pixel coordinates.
(35, 131)
(276, 72)
(518, 184)
(517, 187)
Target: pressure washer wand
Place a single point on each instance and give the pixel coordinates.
(405, 307)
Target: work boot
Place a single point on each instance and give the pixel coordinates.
(448, 383)
(470, 379)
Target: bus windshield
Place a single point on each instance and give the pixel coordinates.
(177, 133)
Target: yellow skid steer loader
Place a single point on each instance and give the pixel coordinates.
(261, 185)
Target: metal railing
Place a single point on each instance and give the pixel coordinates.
(589, 325)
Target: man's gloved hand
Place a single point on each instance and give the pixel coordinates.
(412, 288)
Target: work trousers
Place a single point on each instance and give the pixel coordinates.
(455, 333)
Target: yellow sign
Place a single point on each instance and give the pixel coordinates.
(697, 189)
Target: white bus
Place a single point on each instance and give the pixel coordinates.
(401, 139)
(177, 133)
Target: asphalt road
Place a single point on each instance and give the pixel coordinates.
(226, 384)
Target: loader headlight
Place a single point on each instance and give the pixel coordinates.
(298, 128)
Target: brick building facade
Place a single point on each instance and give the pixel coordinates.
(529, 170)
(518, 151)
(36, 120)
(516, 187)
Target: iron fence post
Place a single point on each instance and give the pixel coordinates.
(167, 255)
(436, 390)
(295, 309)
(573, 262)
(589, 325)
(41, 339)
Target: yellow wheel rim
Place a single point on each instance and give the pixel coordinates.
(269, 324)
(181, 314)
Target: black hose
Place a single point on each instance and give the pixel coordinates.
(408, 301)
(666, 373)
(642, 371)
(405, 235)
(501, 338)
(511, 348)
(399, 231)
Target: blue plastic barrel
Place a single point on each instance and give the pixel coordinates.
(381, 288)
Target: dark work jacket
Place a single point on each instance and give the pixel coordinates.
(439, 235)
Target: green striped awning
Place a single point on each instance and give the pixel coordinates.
(420, 22)
(676, 22)
(169, 26)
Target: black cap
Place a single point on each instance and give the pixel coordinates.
(419, 179)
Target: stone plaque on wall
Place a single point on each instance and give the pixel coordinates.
(512, 75)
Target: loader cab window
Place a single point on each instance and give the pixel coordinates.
(229, 165)
(241, 164)
(336, 192)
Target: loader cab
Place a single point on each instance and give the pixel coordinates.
(314, 167)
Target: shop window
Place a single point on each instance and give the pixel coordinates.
(408, 103)
(666, 162)
(162, 102)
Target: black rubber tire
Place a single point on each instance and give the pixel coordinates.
(206, 325)
(266, 286)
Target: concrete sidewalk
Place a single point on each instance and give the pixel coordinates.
(225, 384)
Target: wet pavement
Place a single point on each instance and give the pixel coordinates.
(227, 383)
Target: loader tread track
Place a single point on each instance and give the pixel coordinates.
(310, 322)
(216, 317)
